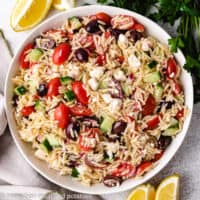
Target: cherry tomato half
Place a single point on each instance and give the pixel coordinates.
(27, 110)
(25, 64)
(143, 167)
(53, 87)
(101, 60)
(153, 123)
(61, 115)
(138, 27)
(103, 17)
(149, 107)
(177, 88)
(61, 53)
(124, 170)
(80, 110)
(180, 114)
(171, 68)
(158, 156)
(80, 92)
(87, 143)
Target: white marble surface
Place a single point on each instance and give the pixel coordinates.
(186, 162)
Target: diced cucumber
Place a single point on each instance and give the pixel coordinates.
(158, 92)
(75, 23)
(153, 77)
(106, 124)
(152, 64)
(38, 106)
(127, 89)
(45, 146)
(53, 141)
(75, 173)
(35, 54)
(20, 90)
(69, 95)
(66, 80)
(173, 129)
(103, 84)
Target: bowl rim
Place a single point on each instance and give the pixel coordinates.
(13, 131)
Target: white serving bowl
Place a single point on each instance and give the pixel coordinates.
(66, 181)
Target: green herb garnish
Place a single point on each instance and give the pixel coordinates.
(69, 95)
(75, 172)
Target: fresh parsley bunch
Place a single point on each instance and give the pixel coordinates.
(187, 14)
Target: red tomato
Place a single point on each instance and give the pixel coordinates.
(158, 156)
(80, 110)
(101, 60)
(61, 115)
(61, 53)
(27, 110)
(122, 22)
(153, 123)
(149, 107)
(124, 170)
(171, 68)
(107, 34)
(180, 114)
(143, 167)
(53, 87)
(138, 27)
(80, 92)
(103, 17)
(120, 59)
(25, 64)
(177, 88)
(87, 143)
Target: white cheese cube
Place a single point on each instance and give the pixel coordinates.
(93, 83)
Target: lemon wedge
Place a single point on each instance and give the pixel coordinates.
(28, 13)
(143, 192)
(64, 4)
(168, 188)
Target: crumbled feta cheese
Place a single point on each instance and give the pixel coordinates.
(119, 75)
(97, 72)
(74, 71)
(122, 41)
(93, 83)
(146, 45)
(134, 62)
(107, 98)
(115, 105)
(81, 169)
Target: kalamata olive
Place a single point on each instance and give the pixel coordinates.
(92, 26)
(136, 35)
(116, 33)
(15, 100)
(112, 181)
(81, 55)
(47, 43)
(164, 142)
(72, 130)
(167, 104)
(42, 90)
(91, 122)
(119, 127)
(116, 89)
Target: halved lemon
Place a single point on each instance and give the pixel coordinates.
(143, 192)
(168, 188)
(28, 13)
(64, 4)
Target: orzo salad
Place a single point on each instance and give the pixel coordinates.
(98, 99)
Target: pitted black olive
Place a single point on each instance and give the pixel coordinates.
(81, 55)
(92, 26)
(72, 130)
(42, 90)
(119, 127)
(136, 35)
(91, 122)
(116, 33)
(47, 43)
(164, 142)
(112, 181)
(15, 100)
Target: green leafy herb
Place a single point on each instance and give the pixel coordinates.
(75, 172)
(69, 95)
(20, 90)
